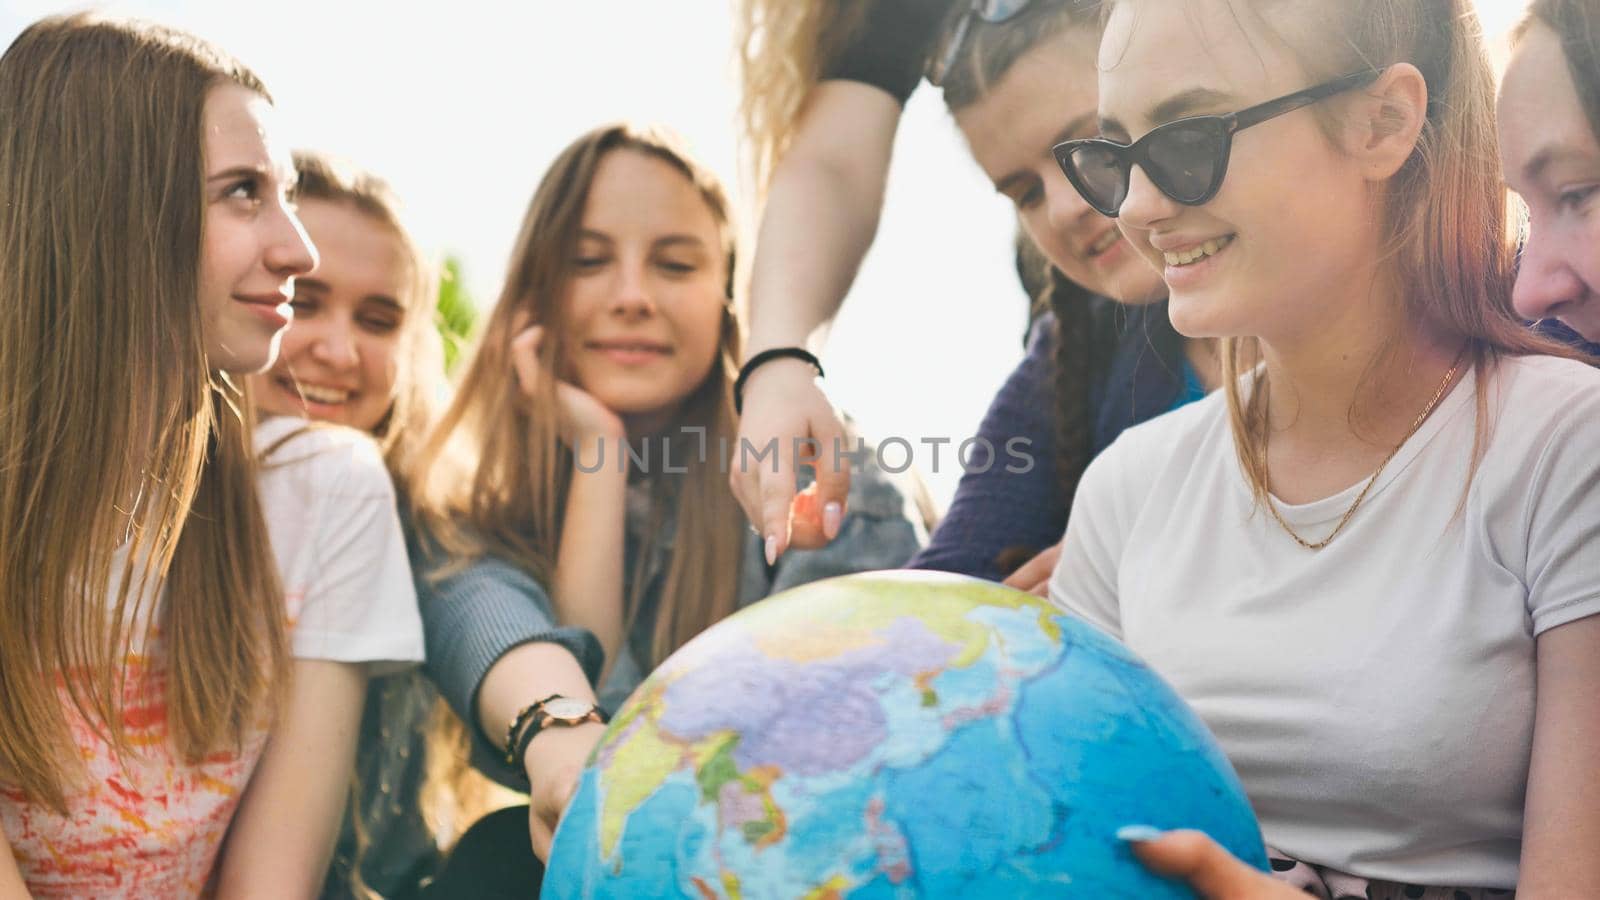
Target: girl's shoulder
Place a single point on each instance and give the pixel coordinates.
(320, 459)
(1548, 377)
(1188, 429)
(1542, 405)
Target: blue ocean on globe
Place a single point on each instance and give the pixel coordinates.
(895, 735)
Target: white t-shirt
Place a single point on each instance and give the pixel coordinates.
(1377, 696)
(152, 827)
(330, 509)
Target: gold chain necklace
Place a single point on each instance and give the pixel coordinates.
(1345, 519)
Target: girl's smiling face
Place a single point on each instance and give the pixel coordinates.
(644, 302)
(1552, 159)
(253, 245)
(1047, 97)
(338, 361)
(1294, 215)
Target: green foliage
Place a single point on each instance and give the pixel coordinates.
(456, 314)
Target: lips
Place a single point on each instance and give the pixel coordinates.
(631, 346)
(1103, 243)
(316, 393)
(274, 299)
(1189, 253)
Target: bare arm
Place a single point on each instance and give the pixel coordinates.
(556, 756)
(282, 837)
(821, 212)
(588, 577)
(1561, 823)
(12, 887)
(821, 215)
(587, 588)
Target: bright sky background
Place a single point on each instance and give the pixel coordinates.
(462, 109)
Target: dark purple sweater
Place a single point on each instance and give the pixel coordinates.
(996, 511)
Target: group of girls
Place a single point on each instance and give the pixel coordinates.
(1371, 559)
(1366, 558)
(210, 679)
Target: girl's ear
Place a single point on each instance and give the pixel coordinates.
(1387, 120)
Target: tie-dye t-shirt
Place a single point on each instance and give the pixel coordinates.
(151, 825)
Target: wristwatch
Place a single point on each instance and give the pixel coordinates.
(534, 718)
(559, 710)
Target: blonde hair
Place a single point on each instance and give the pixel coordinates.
(109, 395)
(1445, 213)
(784, 46)
(494, 474)
(419, 388)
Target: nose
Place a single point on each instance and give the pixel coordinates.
(334, 343)
(1145, 205)
(1065, 208)
(634, 297)
(289, 251)
(1544, 279)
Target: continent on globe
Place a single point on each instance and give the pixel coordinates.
(895, 734)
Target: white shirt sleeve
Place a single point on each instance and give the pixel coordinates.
(1084, 582)
(1563, 521)
(330, 508)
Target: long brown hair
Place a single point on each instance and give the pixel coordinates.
(1445, 213)
(419, 388)
(493, 476)
(114, 431)
(1577, 23)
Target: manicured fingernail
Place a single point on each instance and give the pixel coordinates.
(772, 549)
(832, 516)
(1138, 834)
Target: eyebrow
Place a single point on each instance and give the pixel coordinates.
(238, 172)
(589, 234)
(673, 240)
(385, 300)
(1177, 106)
(1073, 127)
(1548, 156)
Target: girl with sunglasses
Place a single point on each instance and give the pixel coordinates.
(184, 628)
(1409, 482)
(1549, 117)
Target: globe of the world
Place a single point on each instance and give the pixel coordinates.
(895, 735)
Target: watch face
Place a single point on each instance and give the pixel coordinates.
(567, 708)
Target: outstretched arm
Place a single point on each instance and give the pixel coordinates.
(556, 756)
(821, 215)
